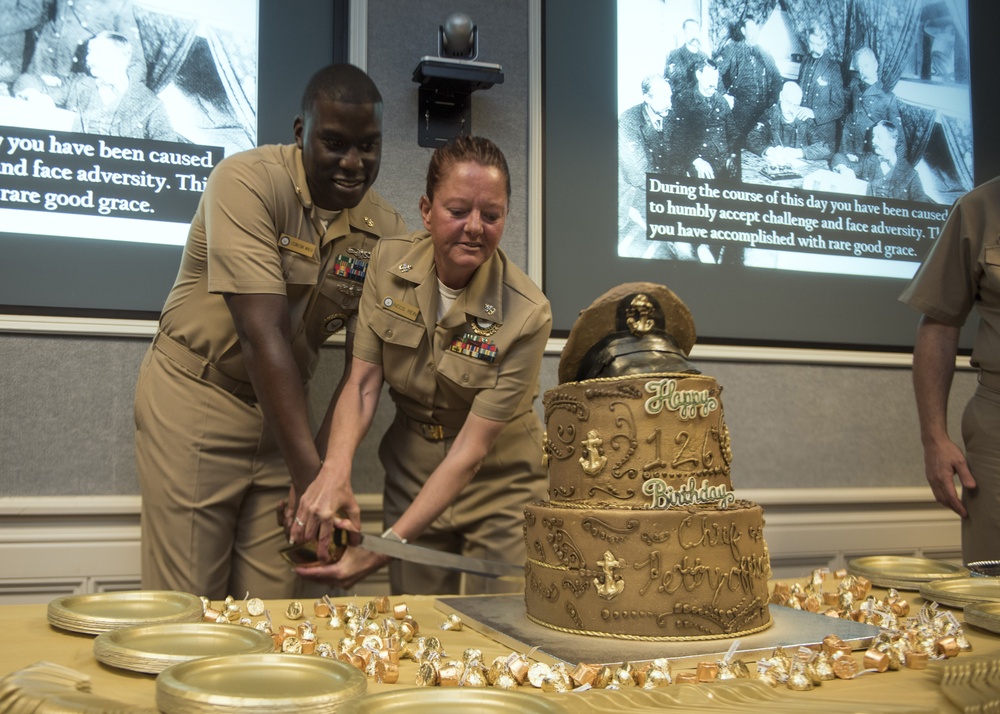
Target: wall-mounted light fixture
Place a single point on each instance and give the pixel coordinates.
(444, 107)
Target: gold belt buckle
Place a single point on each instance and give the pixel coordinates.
(432, 432)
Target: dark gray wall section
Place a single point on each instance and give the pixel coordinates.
(66, 402)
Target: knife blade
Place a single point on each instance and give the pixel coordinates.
(426, 556)
(305, 554)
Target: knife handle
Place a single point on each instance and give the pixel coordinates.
(341, 538)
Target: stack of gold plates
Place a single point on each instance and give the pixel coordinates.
(983, 614)
(153, 648)
(457, 700)
(903, 572)
(100, 612)
(258, 684)
(959, 592)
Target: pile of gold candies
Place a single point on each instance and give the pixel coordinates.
(903, 641)
(373, 641)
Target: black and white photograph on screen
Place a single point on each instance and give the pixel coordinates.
(142, 94)
(791, 134)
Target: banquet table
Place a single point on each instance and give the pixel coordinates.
(29, 638)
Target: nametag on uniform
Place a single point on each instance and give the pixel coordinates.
(400, 308)
(296, 246)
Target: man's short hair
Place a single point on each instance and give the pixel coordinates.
(649, 79)
(118, 41)
(891, 129)
(340, 83)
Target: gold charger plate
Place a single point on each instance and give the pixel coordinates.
(153, 648)
(273, 683)
(452, 700)
(959, 592)
(99, 612)
(903, 572)
(983, 614)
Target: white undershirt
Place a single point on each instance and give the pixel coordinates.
(446, 298)
(325, 217)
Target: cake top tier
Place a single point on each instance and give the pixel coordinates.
(640, 441)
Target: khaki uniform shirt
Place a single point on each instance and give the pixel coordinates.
(256, 232)
(483, 356)
(962, 272)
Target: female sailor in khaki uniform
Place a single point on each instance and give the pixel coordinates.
(458, 332)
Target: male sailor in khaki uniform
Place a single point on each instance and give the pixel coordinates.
(274, 264)
(458, 332)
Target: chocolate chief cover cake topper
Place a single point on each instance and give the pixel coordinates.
(635, 328)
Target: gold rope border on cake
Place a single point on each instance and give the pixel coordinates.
(646, 638)
(738, 504)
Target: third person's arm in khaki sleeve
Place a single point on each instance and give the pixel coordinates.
(933, 369)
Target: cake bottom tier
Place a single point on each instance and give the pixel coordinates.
(693, 573)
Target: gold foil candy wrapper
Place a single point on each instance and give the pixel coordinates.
(536, 673)
(948, 646)
(325, 649)
(321, 609)
(813, 602)
(840, 573)
(352, 611)
(474, 676)
(831, 599)
(291, 645)
(407, 632)
(624, 675)
(255, 607)
(381, 604)
(798, 679)
(917, 660)
(817, 577)
(707, 672)
(453, 622)
(400, 610)
(557, 680)
(245, 622)
(450, 674)
(658, 674)
(472, 654)
(844, 666)
(821, 668)
(519, 666)
(427, 675)
(686, 678)
(877, 660)
(498, 668)
(505, 681)
(583, 674)
(386, 672)
(294, 610)
(354, 627)
(603, 678)
(372, 642)
(830, 644)
(264, 626)
(211, 614)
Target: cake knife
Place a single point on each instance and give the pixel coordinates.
(305, 554)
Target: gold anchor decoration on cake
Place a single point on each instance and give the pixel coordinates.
(593, 459)
(640, 315)
(609, 585)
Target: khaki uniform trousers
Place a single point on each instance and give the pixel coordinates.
(211, 476)
(485, 521)
(980, 431)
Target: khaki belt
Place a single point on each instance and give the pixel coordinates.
(990, 380)
(202, 368)
(431, 432)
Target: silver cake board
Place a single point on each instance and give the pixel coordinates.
(502, 618)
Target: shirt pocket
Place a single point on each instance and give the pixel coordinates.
(400, 341)
(467, 373)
